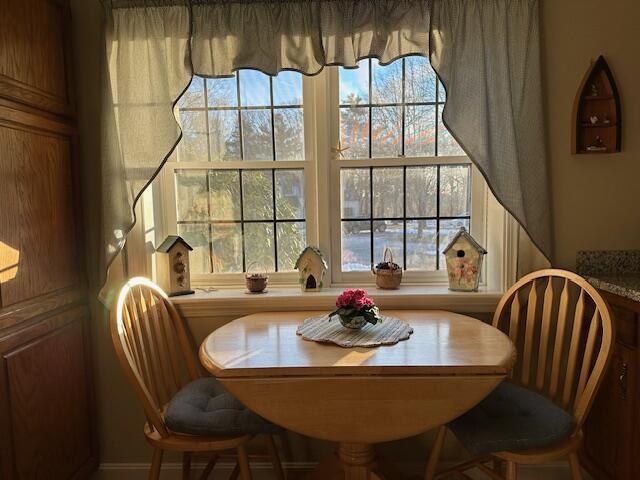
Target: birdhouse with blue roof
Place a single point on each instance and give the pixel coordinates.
(464, 262)
(312, 268)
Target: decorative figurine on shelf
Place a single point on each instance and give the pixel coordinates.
(173, 266)
(593, 90)
(597, 145)
(311, 267)
(593, 119)
(464, 262)
(606, 120)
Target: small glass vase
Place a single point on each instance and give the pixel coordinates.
(354, 323)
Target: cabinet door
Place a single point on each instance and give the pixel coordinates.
(45, 404)
(609, 429)
(35, 54)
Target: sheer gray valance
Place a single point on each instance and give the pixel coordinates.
(486, 52)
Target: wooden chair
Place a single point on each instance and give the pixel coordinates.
(156, 355)
(563, 332)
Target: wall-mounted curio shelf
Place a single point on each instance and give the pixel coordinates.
(597, 119)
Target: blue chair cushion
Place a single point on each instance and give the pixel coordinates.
(512, 418)
(203, 407)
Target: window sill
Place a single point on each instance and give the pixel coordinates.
(235, 302)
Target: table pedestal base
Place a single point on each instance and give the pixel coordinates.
(354, 461)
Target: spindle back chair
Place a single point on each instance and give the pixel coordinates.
(564, 336)
(156, 354)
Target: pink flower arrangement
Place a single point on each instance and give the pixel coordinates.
(354, 302)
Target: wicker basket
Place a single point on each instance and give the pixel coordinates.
(256, 281)
(388, 278)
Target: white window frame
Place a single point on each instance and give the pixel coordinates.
(490, 223)
(165, 201)
(327, 93)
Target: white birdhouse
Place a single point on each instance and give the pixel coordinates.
(311, 267)
(464, 262)
(173, 266)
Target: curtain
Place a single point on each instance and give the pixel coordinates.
(485, 51)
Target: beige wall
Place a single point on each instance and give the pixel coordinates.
(594, 197)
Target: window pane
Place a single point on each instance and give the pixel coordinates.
(254, 89)
(447, 145)
(258, 240)
(289, 126)
(222, 92)
(356, 246)
(224, 135)
(193, 146)
(194, 96)
(191, 195)
(354, 131)
(287, 88)
(354, 84)
(355, 198)
(197, 235)
(386, 82)
(448, 228)
(224, 194)
(289, 194)
(455, 190)
(422, 186)
(256, 135)
(420, 131)
(257, 190)
(388, 193)
(420, 80)
(226, 246)
(386, 131)
(421, 245)
(388, 234)
(292, 238)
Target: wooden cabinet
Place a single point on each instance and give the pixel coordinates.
(612, 430)
(46, 396)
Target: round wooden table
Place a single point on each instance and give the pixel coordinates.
(358, 396)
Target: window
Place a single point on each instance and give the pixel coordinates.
(352, 160)
(411, 187)
(239, 202)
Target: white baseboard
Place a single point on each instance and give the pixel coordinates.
(263, 470)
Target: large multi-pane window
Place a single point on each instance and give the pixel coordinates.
(400, 195)
(245, 178)
(239, 178)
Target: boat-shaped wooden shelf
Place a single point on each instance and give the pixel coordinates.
(597, 119)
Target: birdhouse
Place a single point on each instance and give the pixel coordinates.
(311, 267)
(173, 266)
(464, 262)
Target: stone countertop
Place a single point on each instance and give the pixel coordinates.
(627, 286)
(614, 271)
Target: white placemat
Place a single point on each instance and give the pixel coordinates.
(386, 332)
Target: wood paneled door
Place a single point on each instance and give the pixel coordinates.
(46, 396)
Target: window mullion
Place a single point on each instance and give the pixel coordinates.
(244, 255)
(275, 224)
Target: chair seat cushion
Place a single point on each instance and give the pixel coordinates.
(205, 408)
(512, 418)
